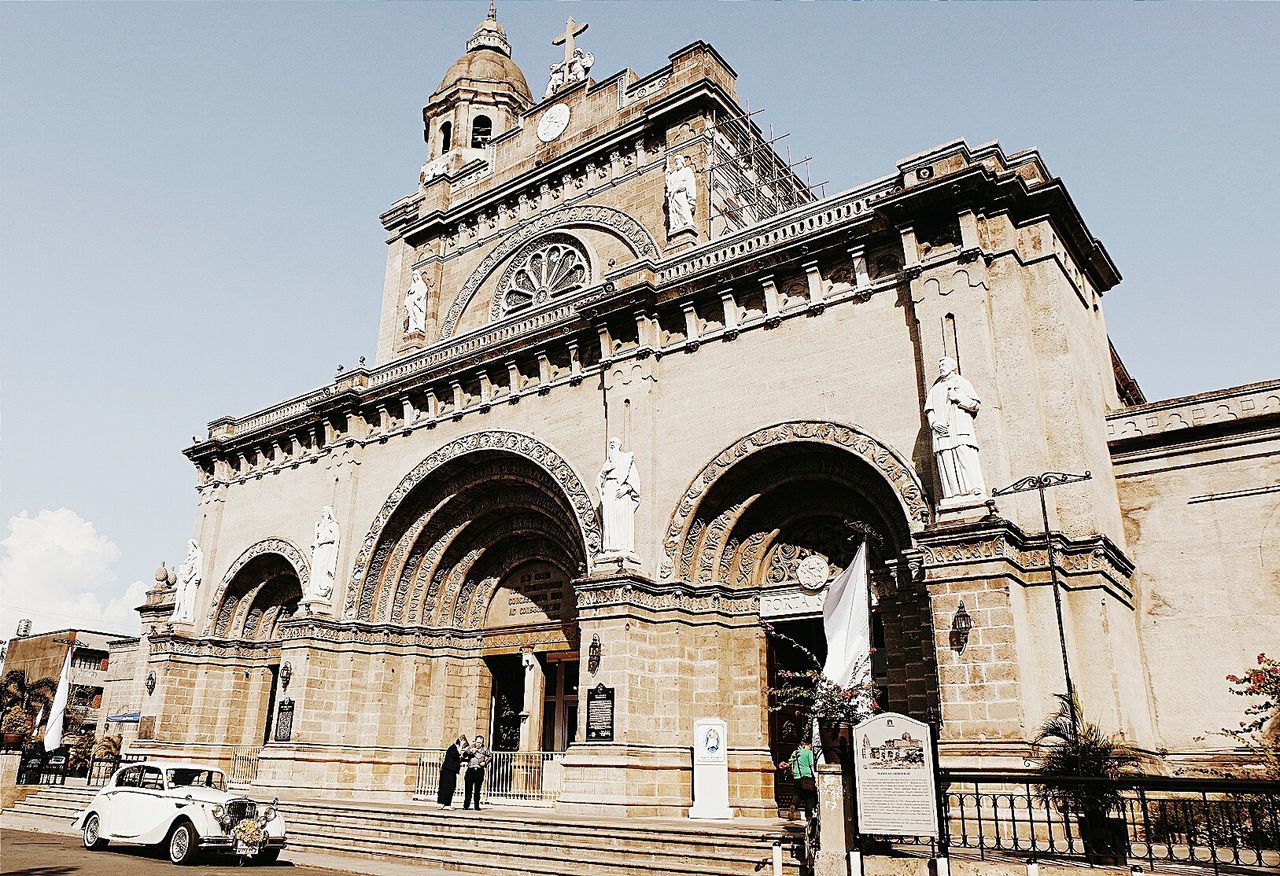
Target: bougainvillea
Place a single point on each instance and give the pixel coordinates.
(1260, 731)
(809, 694)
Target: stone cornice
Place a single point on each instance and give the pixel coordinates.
(1253, 406)
(596, 595)
(959, 550)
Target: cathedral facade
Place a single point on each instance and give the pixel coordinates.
(636, 387)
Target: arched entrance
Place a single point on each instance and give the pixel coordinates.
(481, 551)
(259, 594)
(785, 495)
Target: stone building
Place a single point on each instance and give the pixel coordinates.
(418, 548)
(43, 656)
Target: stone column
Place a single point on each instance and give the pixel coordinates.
(535, 685)
(835, 809)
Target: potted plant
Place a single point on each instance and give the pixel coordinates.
(1080, 766)
(16, 726)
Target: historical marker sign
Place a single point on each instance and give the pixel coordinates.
(600, 714)
(894, 775)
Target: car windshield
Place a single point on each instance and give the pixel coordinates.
(187, 778)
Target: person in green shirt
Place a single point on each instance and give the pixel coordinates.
(801, 764)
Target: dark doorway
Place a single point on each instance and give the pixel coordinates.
(507, 702)
(271, 704)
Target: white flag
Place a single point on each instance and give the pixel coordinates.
(846, 620)
(58, 711)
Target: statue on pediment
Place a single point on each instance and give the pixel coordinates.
(619, 485)
(324, 558)
(190, 574)
(682, 195)
(951, 407)
(415, 305)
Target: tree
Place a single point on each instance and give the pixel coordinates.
(22, 701)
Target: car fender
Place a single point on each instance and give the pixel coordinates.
(97, 804)
(275, 828)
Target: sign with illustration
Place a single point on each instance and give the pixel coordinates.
(894, 775)
(710, 769)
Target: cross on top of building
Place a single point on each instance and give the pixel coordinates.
(572, 29)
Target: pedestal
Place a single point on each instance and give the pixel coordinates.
(710, 770)
(835, 808)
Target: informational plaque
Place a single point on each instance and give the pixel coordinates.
(600, 714)
(894, 775)
(284, 721)
(710, 770)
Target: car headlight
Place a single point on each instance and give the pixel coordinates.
(270, 814)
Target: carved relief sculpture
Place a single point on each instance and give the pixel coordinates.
(189, 576)
(951, 408)
(415, 305)
(682, 195)
(619, 499)
(324, 559)
(576, 64)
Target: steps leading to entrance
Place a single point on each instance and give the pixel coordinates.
(510, 842)
(498, 841)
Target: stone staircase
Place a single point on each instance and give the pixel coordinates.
(505, 841)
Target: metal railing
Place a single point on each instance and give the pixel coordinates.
(101, 769)
(518, 776)
(244, 767)
(1208, 822)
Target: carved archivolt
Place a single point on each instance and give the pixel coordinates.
(605, 217)
(497, 440)
(283, 547)
(895, 470)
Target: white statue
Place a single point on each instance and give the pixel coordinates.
(951, 407)
(682, 195)
(324, 558)
(555, 82)
(619, 485)
(189, 576)
(415, 304)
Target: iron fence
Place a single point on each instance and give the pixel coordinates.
(244, 767)
(102, 769)
(519, 776)
(1208, 822)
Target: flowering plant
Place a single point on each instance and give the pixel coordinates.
(247, 831)
(1260, 731)
(810, 694)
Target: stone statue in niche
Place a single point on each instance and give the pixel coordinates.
(188, 587)
(324, 558)
(682, 195)
(951, 408)
(415, 305)
(619, 485)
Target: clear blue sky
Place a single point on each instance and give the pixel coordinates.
(189, 197)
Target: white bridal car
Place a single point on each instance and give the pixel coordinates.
(184, 808)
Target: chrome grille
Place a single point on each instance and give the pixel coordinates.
(239, 810)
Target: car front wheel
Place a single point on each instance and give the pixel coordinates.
(183, 843)
(92, 841)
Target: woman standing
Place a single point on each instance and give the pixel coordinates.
(449, 772)
(476, 764)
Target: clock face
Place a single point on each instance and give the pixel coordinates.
(553, 123)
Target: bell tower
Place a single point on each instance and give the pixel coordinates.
(480, 97)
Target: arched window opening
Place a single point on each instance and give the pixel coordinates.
(446, 137)
(481, 132)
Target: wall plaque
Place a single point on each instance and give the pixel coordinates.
(284, 721)
(894, 775)
(600, 714)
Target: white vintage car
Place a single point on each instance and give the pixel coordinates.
(184, 808)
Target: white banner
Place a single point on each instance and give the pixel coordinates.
(846, 620)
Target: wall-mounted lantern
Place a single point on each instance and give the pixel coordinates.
(151, 683)
(286, 673)
(593, 655)
(961, 624)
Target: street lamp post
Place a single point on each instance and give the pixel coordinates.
(1040, 483)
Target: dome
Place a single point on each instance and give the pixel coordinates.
(487, 64)
(488, 58)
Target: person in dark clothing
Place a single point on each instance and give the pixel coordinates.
(449, 772)
(478, 760)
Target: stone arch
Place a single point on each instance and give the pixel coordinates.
(597, 215)
(362, 595)
(274, 545)
(688, 532)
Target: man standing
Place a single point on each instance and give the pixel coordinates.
(477, 761)
(449, 772)
(801, 766)
(951, 407)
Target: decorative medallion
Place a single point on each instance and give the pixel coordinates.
(813, 572)
(553, 123)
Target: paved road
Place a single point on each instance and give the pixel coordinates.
(49, 854)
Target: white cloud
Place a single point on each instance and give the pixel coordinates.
(59, 570)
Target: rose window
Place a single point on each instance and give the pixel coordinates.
(548, 268)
